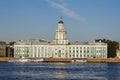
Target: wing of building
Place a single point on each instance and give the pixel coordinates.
(60, 47)
(2, 49)
(118, 52)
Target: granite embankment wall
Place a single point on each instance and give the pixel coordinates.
(57, 59)
(4, 59)
(108, 60)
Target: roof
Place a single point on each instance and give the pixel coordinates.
(87, 43)
(2, 42)
(32, 42)
(61, 21)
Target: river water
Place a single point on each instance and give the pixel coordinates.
(60, 71)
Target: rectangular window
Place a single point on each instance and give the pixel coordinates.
(80, 47)
(73, 51)
(80, 55)
(77, 56)
(80, 51)
(73, 47)
(77, 51)
(87, 47)
(88, 56)
(69, 51)
(73, 55)
(84, 56)
(84, 51)
(77, 47)
(55, 53)
(87, 51)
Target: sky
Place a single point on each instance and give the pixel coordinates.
(84, 20)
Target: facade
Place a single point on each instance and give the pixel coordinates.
(118, 52)
(9, 51)
(59, 47)
(2, 49)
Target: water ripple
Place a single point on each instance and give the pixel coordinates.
(60, 71)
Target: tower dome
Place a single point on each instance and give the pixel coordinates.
(61, 21)
(60, 37)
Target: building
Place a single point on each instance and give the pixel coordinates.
(60, 47)
(9, 51)
(2, 49)
(118, 52)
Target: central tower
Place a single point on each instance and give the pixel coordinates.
(60, 37)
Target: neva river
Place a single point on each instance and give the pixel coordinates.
(60, 71)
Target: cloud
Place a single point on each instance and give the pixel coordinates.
(61, 6)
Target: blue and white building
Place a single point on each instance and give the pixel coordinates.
(60, 47)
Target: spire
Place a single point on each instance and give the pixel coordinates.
(61, 21)
(61, 17)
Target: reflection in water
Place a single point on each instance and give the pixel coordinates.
(113, 71)
(60, 74)
(59, 65)
(60, 71)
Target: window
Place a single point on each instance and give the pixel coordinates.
(59, 51)
(77, 51)
(87, 55)
(80, 55)
(87, 51)
(55, 53)
(84, 56)
(73, 51)
(77, 56)
(84, 51)
(69, 51)
(80, 51)
(62, 42)
(77, 47)
(91, 51)
(80, 47)
(99, 51)
(87, 47)
(73, 55)
(73, 47)
(59, 54)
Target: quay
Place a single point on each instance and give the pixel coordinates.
(57, 59)
(5, 59)
(81, 60)
(106, 60)
(66, 60)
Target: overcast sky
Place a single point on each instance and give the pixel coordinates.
(84, 20)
